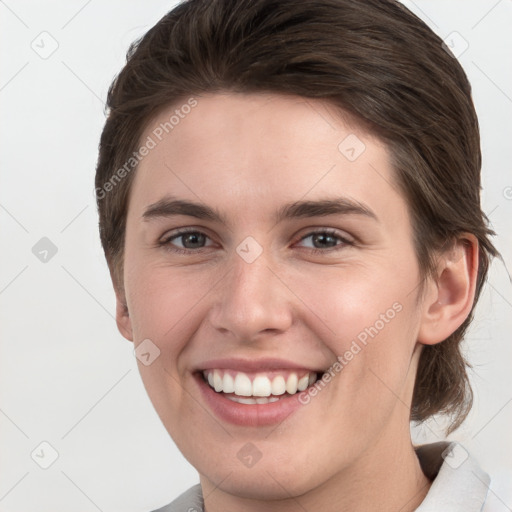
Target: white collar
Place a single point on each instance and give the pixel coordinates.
(459, 483)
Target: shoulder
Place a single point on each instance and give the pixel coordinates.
(190, 501)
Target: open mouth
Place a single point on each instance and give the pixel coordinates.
(259, 387)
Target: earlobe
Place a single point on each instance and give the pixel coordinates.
(450, 299)
(123, 320)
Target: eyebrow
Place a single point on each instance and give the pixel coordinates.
(168, 207)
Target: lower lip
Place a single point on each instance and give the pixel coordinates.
(248, 415)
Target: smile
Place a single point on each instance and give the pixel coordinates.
(256, 392)
(258, 388)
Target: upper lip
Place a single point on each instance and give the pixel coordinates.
(254, 365)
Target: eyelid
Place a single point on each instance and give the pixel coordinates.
(311, 230)
(342, 236)
(174, 233)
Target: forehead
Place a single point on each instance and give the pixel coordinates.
(252, 152)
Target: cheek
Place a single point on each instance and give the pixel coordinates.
(349, 302)
(369, 321)
(164, 304)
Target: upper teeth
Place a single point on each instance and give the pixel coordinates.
(243, 384)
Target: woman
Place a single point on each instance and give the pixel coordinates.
(289, 206)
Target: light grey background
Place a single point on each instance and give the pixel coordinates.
(67, 377)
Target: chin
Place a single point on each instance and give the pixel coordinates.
(264, 480)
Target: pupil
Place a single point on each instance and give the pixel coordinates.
(194, 239)
(322, 238)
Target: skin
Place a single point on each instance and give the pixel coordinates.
(247, 155)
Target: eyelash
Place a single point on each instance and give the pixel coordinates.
(166, 243)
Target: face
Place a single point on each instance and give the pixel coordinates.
(266, 245)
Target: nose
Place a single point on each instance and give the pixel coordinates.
(252, 300)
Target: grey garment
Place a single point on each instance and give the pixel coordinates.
(190, 501)
(459, 484)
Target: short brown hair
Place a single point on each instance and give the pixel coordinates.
(375, 60)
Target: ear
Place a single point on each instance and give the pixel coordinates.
(124, 323)
(449, 298)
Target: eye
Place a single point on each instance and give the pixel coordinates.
(326, 239)
(194, 241)
(190, 240)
